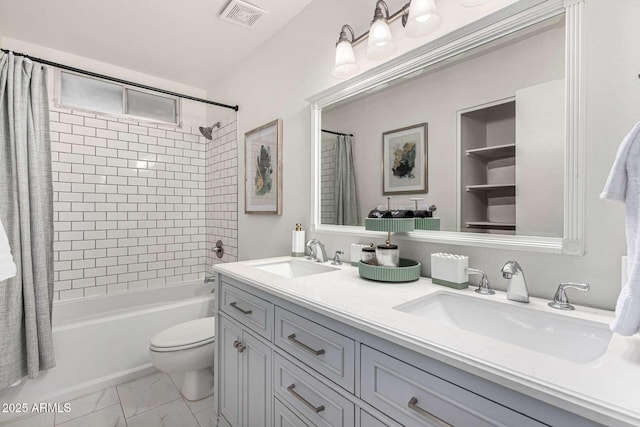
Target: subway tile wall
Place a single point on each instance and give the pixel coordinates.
(129, 204)
(222, 193)
(328, 181)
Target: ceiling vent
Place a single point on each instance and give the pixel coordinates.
(242, 13)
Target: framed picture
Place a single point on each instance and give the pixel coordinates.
(263, 169)
(404, 160)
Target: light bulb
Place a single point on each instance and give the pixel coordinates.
(345, 61)
(423, 18)
(380, 44)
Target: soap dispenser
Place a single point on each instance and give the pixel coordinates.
(297, 241)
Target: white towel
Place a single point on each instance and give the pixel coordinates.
(623, 184)
(7, 266)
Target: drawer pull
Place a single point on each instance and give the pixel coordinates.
(303, 346)
(235, 305)
(291, 390)
(413, 405)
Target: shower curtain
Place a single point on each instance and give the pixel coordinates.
(346, 194)
(26, 210)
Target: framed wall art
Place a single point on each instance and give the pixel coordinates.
(263, 169)
(404, 160)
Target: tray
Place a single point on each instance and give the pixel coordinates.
(432, 224)
(408, 271)
(392, 225)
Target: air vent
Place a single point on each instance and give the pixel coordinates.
(242, 13)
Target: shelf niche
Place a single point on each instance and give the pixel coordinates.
(488, 168)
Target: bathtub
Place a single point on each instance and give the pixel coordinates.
(101, 341)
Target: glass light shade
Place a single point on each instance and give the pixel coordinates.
(472, 3)
(381, 43)
(345, 61)
(423, 18)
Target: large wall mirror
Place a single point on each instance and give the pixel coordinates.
(484, 127)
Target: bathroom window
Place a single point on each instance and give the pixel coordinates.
(97, 95)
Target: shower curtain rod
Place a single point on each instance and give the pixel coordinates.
(336, 133)
(116, 80)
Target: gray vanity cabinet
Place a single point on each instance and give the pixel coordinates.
(244, 376)
(279, 364)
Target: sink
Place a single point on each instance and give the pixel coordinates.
(293, 268)
(558, 335)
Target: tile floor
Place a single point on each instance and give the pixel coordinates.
(151, 401)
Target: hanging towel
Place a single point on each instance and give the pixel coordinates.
(623, 184)
(7, 266)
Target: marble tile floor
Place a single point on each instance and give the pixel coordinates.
(151, 401)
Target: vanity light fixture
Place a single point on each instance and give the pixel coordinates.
(381, 43)
(419, 17)
(423, 18)
(345, 58)
(473, 3)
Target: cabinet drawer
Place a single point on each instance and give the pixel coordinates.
(326, 351)
(415, 398)
(322, 405)
(284, 417)
(368, 420)
(251, 311)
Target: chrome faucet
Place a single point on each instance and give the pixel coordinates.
(313, 246)
(517, 286)
(484, 288)
(560, 300)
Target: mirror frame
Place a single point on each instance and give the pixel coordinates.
(505, 21)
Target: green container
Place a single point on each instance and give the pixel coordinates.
(408, 271)
(432, 224)
(393, 225)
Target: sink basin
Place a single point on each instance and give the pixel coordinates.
(558, 335)
(294, 268)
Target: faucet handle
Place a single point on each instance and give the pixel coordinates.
(560, 300)
(336, 258)
(485, 287)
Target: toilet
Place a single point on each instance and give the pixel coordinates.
(187, 347)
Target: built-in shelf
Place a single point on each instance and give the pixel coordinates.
(489, 187)
(488, 167)
(494, 225)
(494, 152)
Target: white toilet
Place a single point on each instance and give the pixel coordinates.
(188, 348)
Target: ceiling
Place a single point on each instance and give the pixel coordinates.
(184, 41)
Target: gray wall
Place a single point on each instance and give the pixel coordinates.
(296, 63)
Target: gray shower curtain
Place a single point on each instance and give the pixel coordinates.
(346, 194)
(26, 210)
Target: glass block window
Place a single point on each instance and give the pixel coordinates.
(97, 95)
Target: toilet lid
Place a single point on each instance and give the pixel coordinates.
(199, 331)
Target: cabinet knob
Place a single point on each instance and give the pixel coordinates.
(238, 346)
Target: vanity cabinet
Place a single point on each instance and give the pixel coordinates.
(244, 376)
(286, 365)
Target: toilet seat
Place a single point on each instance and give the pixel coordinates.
(194, 333)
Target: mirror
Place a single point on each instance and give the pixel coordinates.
(486, 136)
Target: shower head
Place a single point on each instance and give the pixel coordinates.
(207, 132)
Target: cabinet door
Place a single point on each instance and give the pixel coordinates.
(230, 371)
(256, 382)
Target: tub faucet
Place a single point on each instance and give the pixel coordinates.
(313, 246)
(517, 286)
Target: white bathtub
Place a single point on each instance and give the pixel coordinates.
(104, 340)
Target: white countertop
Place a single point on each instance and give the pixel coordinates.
(606, 390)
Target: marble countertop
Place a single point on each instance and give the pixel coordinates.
(606, 390)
